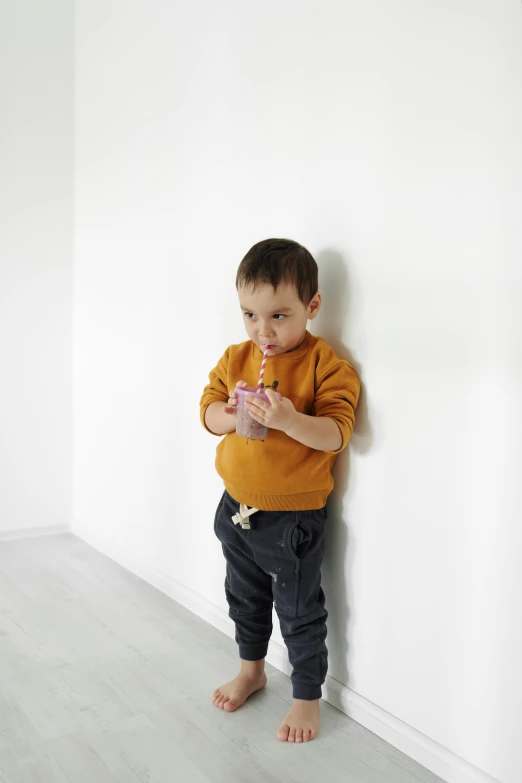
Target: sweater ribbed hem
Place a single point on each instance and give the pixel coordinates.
(304, 501)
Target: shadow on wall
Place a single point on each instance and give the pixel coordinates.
(334, 319)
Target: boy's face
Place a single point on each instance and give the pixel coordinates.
(276, 318)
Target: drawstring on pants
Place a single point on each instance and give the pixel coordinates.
(241, 518)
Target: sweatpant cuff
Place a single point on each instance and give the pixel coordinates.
(302, 690)
(252, 652)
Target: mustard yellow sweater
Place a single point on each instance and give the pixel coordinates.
(280, 473)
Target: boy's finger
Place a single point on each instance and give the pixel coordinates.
(239, 385)
(253, 402)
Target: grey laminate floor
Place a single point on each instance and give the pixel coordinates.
(103, 678)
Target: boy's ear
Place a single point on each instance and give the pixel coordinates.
(314, 306)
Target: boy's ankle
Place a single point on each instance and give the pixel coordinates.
(253, 668)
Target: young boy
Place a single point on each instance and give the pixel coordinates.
(271, 519)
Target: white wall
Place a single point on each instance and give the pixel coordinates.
(386, 138)
(36, 165)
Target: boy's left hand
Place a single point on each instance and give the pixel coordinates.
(278, 414)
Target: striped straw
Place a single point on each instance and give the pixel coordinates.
(263, 365)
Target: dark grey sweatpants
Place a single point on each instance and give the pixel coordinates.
(277, 561)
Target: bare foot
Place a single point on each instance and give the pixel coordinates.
(302, 722)
(232, 695)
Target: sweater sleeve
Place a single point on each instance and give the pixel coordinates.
(336, 397)
(216, 389)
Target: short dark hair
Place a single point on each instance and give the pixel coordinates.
(277, 261)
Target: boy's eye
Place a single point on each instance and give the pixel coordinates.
(278, 316)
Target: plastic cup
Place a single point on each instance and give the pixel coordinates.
(246, 426)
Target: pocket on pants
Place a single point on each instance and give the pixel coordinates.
(299, 540)
(306, 536)
(305, 540)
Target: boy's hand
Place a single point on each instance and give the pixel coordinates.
(232, 400)
(278, 414)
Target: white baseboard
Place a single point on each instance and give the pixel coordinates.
(33, 532)
(424, 751)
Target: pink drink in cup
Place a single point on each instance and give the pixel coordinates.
(246, 426)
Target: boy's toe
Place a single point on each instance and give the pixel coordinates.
(291, 735)
(299, 735)
(282, 734)
(306, 734)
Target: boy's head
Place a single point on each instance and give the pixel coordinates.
(277, 286)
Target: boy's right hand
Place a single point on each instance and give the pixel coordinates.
(232, 400)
